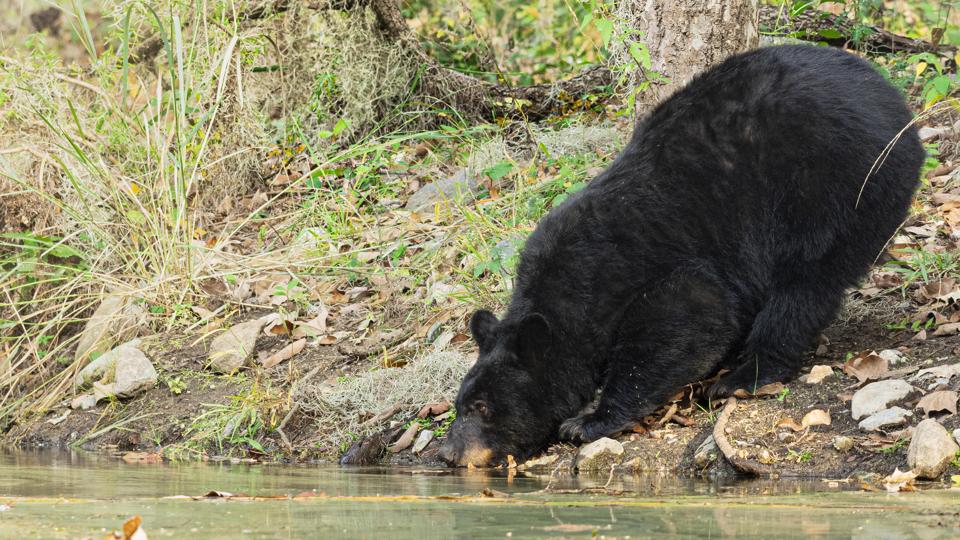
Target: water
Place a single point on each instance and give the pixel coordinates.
(65, 495)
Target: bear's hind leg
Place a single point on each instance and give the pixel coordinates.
(785, 327)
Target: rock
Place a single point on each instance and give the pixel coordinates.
(956, 435)
(818, 374)
(84, 402)
(539, 462)
(103, 391)
(233, 348)
(929, 133)
(843, 444)
(786, 437)
(422, 441)
(115, 320)
(894, 416)
(706, 453)
(892, 356)
(122, 372)
(931, 449)
(460, 188)
(877, 396)
(599, 455)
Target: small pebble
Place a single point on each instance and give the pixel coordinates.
(786, 437)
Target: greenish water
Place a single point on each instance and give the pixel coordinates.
(60, 495)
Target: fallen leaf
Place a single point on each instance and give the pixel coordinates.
(285, 353)
(327, 340)
(434, 409)
(899, 481)
(943, 400)
(866, 366)
(132, 529)
(937, 290)
(816, 417)
(766, 390)
(789, 423)
(948, 329)
(312, 328)
(947, 371)
(818, 374)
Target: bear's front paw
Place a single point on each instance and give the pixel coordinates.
(583, 428)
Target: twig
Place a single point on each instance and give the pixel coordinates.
(745, 465)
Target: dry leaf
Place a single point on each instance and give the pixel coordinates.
(312, 328)
(946, 371)
(899, 481)
(327, 340)
(789, 423)
(948, 329)
(434, 409)
(766, 390)
(866, 366)
(285, 353)
(818, 374)
(944, 400)
(936, 290)
(816, 417)
(132, 529)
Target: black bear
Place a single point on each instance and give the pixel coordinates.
(724, 235)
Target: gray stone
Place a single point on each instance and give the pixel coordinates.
(706, 453)
(122, 372)
(931, 449)
(956, 435)
(115, 320)
(786, 437)
(422, 441)
(233, 348)
(877, 396)
(461, 188)
(601, 454)
(894, 416)
(892, 356)
(84, 402)
(930, 133)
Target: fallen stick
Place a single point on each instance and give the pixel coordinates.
(744, 465)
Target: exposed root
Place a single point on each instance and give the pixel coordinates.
(744, 465)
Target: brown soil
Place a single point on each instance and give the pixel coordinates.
(165, 417)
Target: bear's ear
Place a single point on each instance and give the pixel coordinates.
(482, 326)
(535, 337)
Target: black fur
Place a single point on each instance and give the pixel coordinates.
(724, 235)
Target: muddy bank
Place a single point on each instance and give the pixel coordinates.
(195, 414)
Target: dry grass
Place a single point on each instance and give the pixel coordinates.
(339, 409)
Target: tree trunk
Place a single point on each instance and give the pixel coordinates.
(683, 37)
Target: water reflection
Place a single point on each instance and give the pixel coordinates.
(99, 493)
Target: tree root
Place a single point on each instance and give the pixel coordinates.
(820, 26)
(744, 465)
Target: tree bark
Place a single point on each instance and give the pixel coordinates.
(684, 37)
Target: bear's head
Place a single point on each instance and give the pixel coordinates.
(505, 406)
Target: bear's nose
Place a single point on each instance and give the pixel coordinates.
(448, 454)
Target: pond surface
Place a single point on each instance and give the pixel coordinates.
(63, 495)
